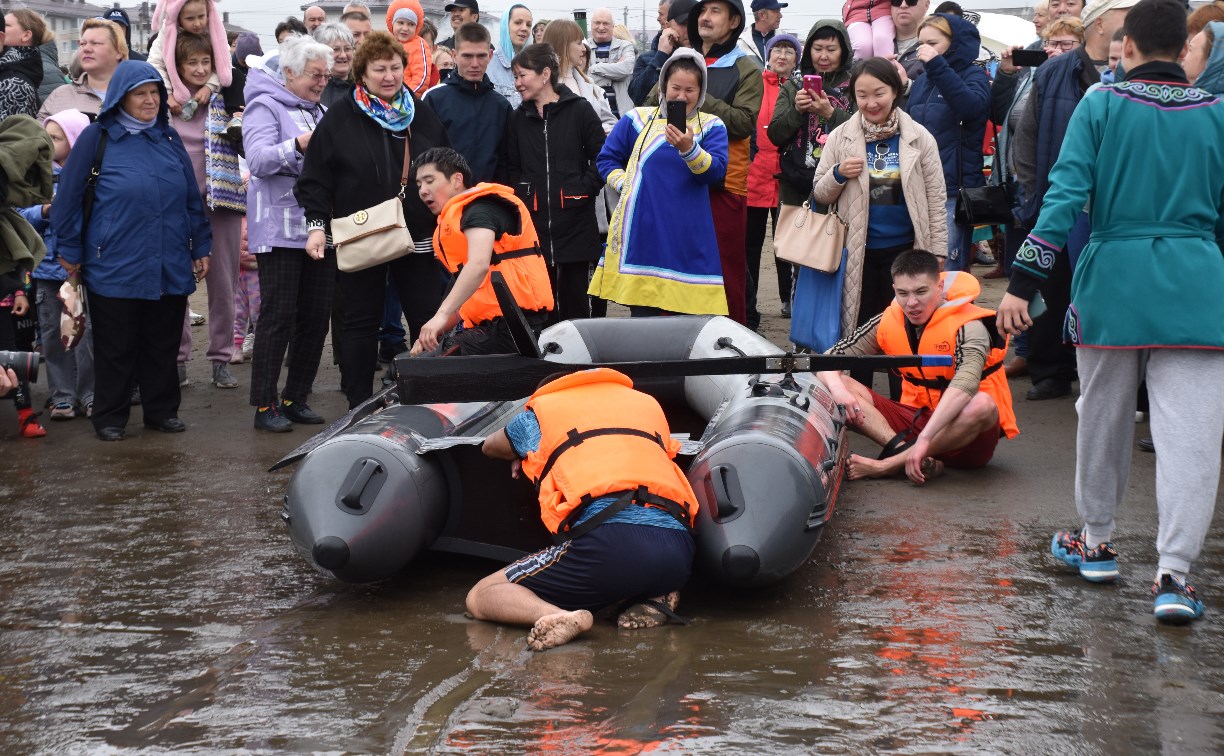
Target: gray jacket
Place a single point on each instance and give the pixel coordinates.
(615, 72)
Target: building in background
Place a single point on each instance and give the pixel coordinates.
(63, 18)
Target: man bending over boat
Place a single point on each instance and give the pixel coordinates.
(950, 416)
(600, 454)
(481, 229)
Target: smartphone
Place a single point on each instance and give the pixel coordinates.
(1029, 58)
(677, 114)
(813, 83)
(1036, 306)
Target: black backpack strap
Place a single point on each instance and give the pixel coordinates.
(91, 184)
(566, 531)
(575, 437)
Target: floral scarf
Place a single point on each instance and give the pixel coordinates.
(875, 132)
(395, 115)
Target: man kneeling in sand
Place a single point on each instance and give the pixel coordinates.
(950, 416)
(600, 454)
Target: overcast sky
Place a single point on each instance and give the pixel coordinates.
(263, 15)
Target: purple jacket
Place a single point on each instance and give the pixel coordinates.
(273, 119)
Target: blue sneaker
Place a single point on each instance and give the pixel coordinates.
(1099, 565)
(1174, 602)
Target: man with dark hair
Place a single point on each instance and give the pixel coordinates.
(766, 18)
(674, 20)
(481, 229)
(1147, 299)
(474, 114)
(950, 416)
(461, 12)
(120, 16)
(290, 26)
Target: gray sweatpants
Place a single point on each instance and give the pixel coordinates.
(1186, 388)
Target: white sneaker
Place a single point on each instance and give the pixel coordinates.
(182, 375)
(195, 317)
(248, 345)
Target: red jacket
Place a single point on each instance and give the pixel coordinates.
(762, 186)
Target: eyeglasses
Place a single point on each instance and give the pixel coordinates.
(1065, 46)
(317, 77)
(881, 161)
(345, 49)
(910, 3)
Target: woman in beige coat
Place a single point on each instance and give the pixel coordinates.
(882, 170)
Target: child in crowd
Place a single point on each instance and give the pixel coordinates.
(215, 159)
(173, 17)
(70, 374)
(246, 301)
(871, 27)
(403, 20)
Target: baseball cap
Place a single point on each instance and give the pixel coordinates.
(118, 16)
(678, 11)
(471, 5)
(767, 5)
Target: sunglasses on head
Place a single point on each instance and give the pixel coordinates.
(910, 3)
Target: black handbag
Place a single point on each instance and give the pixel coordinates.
(989, 205)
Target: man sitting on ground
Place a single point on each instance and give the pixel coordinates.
(481, 229)
(600, 454)
(951, 415)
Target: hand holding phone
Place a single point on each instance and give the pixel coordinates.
(813, 83)
(1029, 58)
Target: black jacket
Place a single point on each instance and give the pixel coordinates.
(475, 117)
(550, 164)
(21, 71)
(352, 163)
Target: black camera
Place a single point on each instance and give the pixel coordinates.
(24, 364)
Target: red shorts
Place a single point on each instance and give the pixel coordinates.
(902, 417)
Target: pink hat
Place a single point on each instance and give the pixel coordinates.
(72, 121)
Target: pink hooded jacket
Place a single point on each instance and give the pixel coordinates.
(165, 18)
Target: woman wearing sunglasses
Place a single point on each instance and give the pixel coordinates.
(881, 169)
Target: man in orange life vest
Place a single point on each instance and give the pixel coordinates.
(953, 415)
(600, 455)
(481, 229)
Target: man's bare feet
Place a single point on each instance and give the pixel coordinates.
(642, 616)
(859, 467)
(558, 629)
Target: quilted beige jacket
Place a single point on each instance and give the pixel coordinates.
(922, 181)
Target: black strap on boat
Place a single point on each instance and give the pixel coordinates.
(941, 384)
(501, 257)
(567, 531)
(576, 437)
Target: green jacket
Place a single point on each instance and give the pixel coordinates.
(784, 127)
(25, 162)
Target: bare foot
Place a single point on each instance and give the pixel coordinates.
(558, 629)
(642, 616)
(931, 469)
(859, 467)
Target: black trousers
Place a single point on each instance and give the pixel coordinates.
(416, 280)
(569, 284)
(758, 219)
(1048, 355)
(296, 300)
(136, 343)
(876, 295)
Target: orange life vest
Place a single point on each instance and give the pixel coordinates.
(923, 386)
(600, 436)
(517, 256)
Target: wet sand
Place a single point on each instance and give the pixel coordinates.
(150, 600)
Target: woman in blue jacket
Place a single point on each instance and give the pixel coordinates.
(140, 251)
(952, 100)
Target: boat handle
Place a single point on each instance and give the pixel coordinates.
(728, 496)
(352, 497)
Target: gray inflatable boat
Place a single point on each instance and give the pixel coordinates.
(764, 452)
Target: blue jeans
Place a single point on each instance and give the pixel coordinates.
(960, 241)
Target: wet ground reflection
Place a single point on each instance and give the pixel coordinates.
(147, 604)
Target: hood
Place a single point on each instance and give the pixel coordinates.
(128, 75)
(265, 80)
(165, 17)
(966, 42)
(412, 5)
(504, 46)
(72, 121)
(805, 56)
(695, 14)
(699, 59)
(1212, 78)
(23, 60)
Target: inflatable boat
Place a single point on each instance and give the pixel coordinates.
(764, 449)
